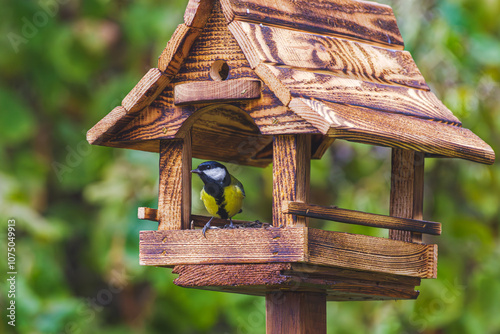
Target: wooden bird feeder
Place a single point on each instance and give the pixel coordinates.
(255, 82)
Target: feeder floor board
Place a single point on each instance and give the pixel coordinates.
(291, 244)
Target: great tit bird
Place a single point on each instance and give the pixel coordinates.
(222, 193)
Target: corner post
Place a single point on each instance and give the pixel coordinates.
(174, 198)
(291, 170)
(292, 312)
(407, 190)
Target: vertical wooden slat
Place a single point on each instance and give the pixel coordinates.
(290, 312)
(291, 168)
(407, 188)
(174, 198)
(186, 180)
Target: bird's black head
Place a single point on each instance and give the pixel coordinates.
(213, 172)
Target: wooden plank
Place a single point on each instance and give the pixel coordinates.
(177, 49)
(342, 274)
(257, 279)
(108, 126)
(361, 218)
(290, 312)
(227, 10)
(358, 20)
(216, 91)
(176, 247)
(144, 213)
(146, 146)
(393, 99)
(164, 120)
(393, 130)
(220, 275)
(319, 145)
(197, 13)
(283, 274)
(146, 90)
(174, 199)
(213, 127)
(407, 188)
(319, 53)
(361, 252)
(316, 113)
(299, 244)
(291, 168)
(271, 79)
(215, 43)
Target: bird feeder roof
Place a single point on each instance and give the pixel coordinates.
(335, 69)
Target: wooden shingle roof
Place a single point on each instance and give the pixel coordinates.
(337, 65)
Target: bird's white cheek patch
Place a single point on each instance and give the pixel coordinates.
(217, 174)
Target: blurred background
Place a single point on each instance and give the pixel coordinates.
(65, 64)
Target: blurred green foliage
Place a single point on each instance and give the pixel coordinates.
(64, 66)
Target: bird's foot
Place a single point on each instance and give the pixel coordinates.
(207, 225)
(230, 225)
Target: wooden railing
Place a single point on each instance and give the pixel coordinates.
(326, 213)
(361, 218)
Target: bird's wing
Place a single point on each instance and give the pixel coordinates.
(238, 184)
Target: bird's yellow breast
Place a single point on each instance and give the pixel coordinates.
(231, 202)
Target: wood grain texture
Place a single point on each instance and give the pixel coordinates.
(393, 99)
(174, 199)
(393, 130)
(164, 120)
(146, 146)
(144, 213)
(319, 53)
(197, 13)
(292, 312)
(146, 90)
(108, 126)
(177, 49)
(342, 274)
(213, 127)
(259, 279)
(291, 169)
(361, 218)
(369, 22)
(271, 79)
(407, 189)
(216, 91)
(319, 145)
(161, 248)
(216, 42)
(381, 255)
(296, 244)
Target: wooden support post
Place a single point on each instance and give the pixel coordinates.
(291, 312)
(407, 190)
(174, 198)
(291, 169)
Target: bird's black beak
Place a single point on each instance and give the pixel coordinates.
(196, 171)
